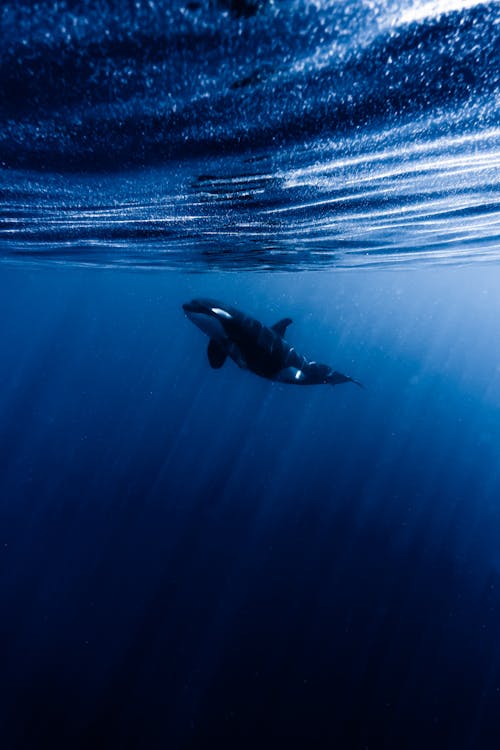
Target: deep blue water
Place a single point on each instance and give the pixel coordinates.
(193, 558)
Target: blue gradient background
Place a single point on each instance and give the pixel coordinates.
(193, 559)
(191, 556)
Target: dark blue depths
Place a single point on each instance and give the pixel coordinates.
(191, 557)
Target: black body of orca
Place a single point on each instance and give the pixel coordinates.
(255, 347)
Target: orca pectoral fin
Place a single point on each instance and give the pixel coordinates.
(216, 354)
(281, 326)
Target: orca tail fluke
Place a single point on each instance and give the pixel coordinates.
(356, 382)
(337, 377)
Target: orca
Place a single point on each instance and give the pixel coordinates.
(256, 347)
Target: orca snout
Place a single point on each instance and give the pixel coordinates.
(189, 307)
(195, 307)
(198, 306)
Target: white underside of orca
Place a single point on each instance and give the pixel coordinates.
(209, 325)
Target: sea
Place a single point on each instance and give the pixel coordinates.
(195, 558)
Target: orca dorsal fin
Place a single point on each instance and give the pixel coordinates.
(216, 354)
(281, 326)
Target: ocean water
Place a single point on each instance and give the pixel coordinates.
(192, 558)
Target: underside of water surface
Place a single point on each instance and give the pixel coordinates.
(254, 135)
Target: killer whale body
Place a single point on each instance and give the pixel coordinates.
(256, 347)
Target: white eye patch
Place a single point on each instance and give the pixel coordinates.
(222, 313)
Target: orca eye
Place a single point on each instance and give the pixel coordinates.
(222, 313)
